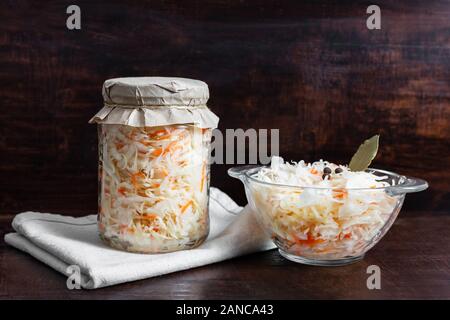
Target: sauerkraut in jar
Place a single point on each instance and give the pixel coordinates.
(154, 172)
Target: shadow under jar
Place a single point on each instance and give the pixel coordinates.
(154, 167)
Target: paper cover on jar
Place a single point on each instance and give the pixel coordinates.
(155, 101)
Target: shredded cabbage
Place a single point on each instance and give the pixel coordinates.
(154, 187)
(328, 217)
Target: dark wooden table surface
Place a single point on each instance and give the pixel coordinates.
(414, 258)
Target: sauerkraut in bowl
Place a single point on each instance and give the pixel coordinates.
(154, 184)
(321, 213)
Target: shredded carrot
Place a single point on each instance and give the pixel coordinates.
(149, 216)
(169, 147)
(122, 191)
(135, 176)
(166, 136)
(340, 193)
(146, 143)
(310, 241)
(183, 163)
(202, 181)
(165, 172)
(119, 145)
(157, 133)
(157, 152)
(147, 219)
(313, 171)
(187, 205)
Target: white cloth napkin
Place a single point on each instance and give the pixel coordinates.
(61, 241)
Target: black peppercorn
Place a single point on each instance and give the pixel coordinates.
(338, 170)
(326, 170)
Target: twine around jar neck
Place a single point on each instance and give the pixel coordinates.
(155, 107)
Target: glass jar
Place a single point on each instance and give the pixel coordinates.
(154, 180)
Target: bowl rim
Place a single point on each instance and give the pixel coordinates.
(400, 177)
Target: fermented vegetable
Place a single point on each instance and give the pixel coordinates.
(153, 186)
(331, 213)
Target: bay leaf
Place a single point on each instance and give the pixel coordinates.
(365, 154)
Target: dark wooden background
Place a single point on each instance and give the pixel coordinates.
(310, 68)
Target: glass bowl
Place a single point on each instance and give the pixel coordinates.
(325, 226)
